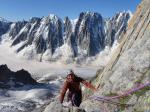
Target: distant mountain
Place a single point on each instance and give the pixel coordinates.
(3, 20)
(51, 38)
(10, 79)
(4, 26)
(116, 26)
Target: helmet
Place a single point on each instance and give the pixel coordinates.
(71, 71)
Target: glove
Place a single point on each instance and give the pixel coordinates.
(67, 104)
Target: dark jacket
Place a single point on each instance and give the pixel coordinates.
(73, 86)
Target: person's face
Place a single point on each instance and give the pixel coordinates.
(71, 77)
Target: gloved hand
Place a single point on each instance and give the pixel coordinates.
(67, 104)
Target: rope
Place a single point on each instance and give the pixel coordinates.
(109, 98)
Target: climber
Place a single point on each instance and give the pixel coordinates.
(72, 83)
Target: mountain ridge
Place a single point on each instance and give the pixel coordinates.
(85, 37)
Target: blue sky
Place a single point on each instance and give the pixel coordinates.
(15, 10)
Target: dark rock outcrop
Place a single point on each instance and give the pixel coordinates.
(23, 77)
(4, 73)
(9, 78)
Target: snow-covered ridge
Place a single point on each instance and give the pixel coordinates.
(74, 22)
(51, 39)
(3, 20)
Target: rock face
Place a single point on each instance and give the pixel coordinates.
(14, 79)
(89, 33)
(15, 29)
(129, 65)
(50, 38)
(45, 33)
(116, 27)
(4, 26)
(56, 106)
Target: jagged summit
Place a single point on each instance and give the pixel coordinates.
(89, 13)
(3, 20)
(33, 19)
(47, 38)
(53, 16)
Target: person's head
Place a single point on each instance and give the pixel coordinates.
(71, 71)
(71, 75)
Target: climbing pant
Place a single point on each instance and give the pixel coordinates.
(75, 98)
